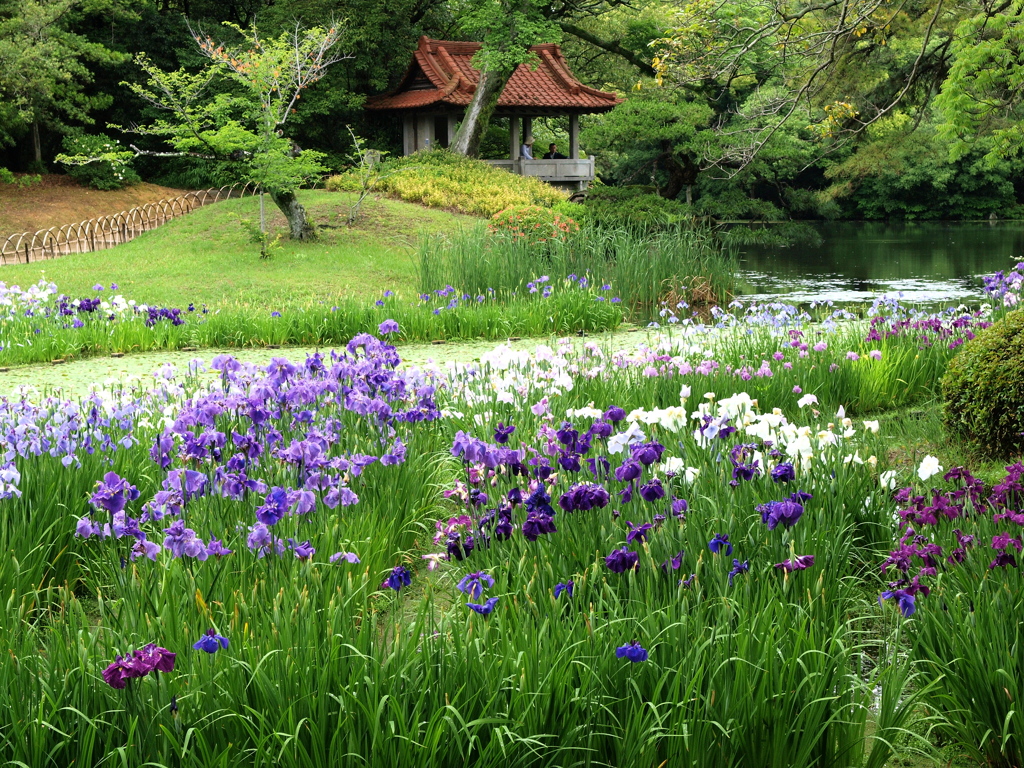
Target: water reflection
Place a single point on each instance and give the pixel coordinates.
(931, 263)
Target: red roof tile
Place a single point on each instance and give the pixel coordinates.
(442, 73)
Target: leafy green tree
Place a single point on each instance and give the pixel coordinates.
(44, 66)
(242, 125)
(983, 94)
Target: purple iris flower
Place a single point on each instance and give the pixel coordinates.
(798, 563)
(259, 537)
(675, 563)
(614, 414)
(398, 578)
(737, 569)
(630, 470)
(652, 490)
(502, 433)
(211, 642)
(720, 542)
(904, 599)
(538, 523)
(183, 542)
(138, 663)
(484, 609)
(1002, 560)
(787, 512)
(566, 587)
(474, 584)
(679, 508)
(113, 493)
(633, 652)
(217, 549)
(143, 548)
(304, 551)
(622, 560)
(784, 473)
(648, 453)
(638, 532)
(388, 326)
(274, 507)
(350, 557)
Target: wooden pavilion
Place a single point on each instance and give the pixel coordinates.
(439, 84)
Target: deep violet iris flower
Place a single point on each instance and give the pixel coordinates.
(398, 578)
(138, 663)
(652, 490)
(638, 532)
(904, 600)
(738, 568)
(719, 542)
(566, 587)
(113, 493)
(474, 584)
(622, 560)
(211, 642)
(502, 433)
(633, 652)
(484, 609)
(784, 473)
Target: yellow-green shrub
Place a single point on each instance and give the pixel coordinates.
(440, 179)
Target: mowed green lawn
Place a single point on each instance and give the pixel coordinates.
(206, 257)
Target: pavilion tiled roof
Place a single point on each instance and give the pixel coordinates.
(442, 74)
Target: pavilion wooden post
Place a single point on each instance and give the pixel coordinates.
(514, 140)
(574, 137)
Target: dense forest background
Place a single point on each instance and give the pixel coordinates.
(739, 109)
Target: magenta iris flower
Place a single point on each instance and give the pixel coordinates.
(211, 642)
(484, 609)
(474, 584)
(798, 563)
(138, 663)
(633, 652)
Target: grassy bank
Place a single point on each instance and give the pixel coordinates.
(206, 258)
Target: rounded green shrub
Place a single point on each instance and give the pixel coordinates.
(983, 389)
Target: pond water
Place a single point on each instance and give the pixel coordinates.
(74, 379)
(931, 263)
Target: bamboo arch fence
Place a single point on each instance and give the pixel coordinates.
(107, 231)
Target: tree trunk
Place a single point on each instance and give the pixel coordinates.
(300, 227)
(478, 113)
(37, 145)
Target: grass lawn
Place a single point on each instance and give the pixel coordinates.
(206, 257)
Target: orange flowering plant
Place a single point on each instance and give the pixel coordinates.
(533, 223)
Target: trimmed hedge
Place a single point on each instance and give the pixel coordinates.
(983, 389)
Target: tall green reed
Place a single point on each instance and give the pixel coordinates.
(641, 266)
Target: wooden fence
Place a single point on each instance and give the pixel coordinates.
(108, 231)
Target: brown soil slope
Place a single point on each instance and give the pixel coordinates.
(58, 200)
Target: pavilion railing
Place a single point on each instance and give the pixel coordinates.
(107, 231)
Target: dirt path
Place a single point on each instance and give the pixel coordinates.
(59, 200)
